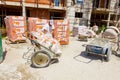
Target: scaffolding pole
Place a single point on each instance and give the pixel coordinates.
(109, 15)
(23, 8)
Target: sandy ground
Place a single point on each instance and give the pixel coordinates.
(74, 64)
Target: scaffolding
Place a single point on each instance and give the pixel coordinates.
(105, 12)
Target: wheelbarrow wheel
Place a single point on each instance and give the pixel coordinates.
(87, 52)
(40, 59)
(108, 55)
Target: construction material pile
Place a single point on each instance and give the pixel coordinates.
(16, 27)
(83, 30)
(35, 24)
(61, 32)
(61, 28)
(36, 31)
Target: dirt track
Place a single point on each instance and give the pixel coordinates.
(74, 64)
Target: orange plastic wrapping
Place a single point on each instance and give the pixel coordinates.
(31, 24)
(16, 27)
(61, 32)
(35, 24)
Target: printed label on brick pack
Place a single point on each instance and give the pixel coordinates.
(18, 23)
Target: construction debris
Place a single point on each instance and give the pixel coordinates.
(84, 32)
(20, 72)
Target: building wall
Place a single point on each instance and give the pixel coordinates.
(100, 10)
(41, 13)
(70, 13)
(13, 0)
(32, 8)
(38, 1)
(43, 2)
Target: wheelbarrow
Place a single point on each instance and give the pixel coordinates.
(42, 55)
(100, 46)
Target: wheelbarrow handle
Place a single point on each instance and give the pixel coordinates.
(37, 43)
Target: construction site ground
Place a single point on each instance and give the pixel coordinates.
(74, 64)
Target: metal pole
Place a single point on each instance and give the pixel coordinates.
(89, 13)
(108, 19)
(23, 8)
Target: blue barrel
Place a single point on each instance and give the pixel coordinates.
(1, 49)
(56, 2)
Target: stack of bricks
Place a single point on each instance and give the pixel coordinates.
(16, 27)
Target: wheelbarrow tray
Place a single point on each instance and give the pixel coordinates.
(42, 55)
(99, 47)
(43, 48)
